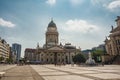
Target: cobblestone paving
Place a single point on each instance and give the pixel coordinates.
(51, 72)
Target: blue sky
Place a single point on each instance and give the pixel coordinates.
(83, 23)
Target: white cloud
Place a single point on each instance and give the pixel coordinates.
(5, 23)
(80, 26)
(81, 33)
(76, 2)
(114, 5)
(103, 3)
(51, 2)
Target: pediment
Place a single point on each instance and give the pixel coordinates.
(56, 48)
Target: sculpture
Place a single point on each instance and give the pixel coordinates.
(90, 61)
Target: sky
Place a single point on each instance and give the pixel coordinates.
(83, 23)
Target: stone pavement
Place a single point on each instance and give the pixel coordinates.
(4, 67)
(51, 72)
(21, 73)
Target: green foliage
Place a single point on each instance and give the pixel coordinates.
(79, 58)
(97, 55)
(9, 60)
(1, 58)
(98, 52)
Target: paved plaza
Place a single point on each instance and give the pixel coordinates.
(51, 72)
(4, 67)
(68, 72)
(20, 73)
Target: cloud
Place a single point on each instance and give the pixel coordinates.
(100, 2)
(76, 2)
(81, 33)
(80, 26)
(114, 5)
(5, 23)
(51, 2)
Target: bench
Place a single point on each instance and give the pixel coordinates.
(2, 74)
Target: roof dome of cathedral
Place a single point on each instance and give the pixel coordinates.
(52, 24)
(69, 46)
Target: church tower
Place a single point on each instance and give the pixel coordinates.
(51, 35)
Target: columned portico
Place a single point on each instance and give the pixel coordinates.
(55, 58)
(57, 54)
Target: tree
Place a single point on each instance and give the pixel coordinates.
(1, 59)
(97, 55)
(79, 58)
(9, 60)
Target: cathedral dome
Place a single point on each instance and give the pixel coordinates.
(69, 46)
(52, 24)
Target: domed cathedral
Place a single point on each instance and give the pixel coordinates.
(52, 52)
(51, 35)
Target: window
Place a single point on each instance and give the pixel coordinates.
(62, 60)
(51, 54)
(51, 60)
(42, 59)
(47, 60)
(119, 42)
(41, 54)
(58, 60)
(58, 54)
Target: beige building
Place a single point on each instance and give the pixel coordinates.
(52, 52)
(112, 43)
(29, 54)
(4, 49)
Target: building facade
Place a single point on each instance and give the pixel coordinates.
(4, 50)
(112, 43)
(100, 47)
(29, 53)
(16, 49)
(52, 52)
(51, 35)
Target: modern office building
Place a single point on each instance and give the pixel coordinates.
(52, 51)
(16, 48)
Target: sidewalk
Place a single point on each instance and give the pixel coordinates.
(22, 73)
